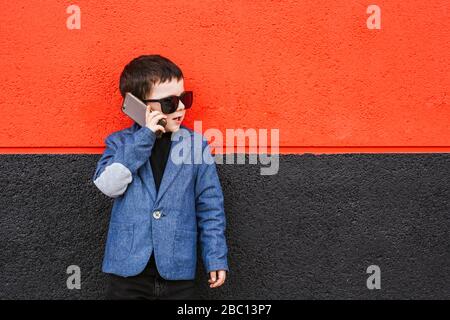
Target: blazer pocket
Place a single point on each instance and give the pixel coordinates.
(120, 240)
(185, 248)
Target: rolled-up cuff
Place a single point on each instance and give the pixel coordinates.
(217, 266)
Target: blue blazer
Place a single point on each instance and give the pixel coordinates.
(187, 209)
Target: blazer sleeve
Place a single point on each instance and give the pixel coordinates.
(210, 213)
(121, 159)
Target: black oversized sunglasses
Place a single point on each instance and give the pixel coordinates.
(170, 104)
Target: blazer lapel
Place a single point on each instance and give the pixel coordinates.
(149, 180)
(172, 168)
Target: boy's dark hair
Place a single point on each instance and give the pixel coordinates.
(142, 73)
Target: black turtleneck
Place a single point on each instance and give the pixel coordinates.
(159, 156)
(158, 160)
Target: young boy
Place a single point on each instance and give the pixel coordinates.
(162, 206)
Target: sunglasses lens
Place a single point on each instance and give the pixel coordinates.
(186, 98)
(168, 106)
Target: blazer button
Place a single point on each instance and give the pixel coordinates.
(156, 214)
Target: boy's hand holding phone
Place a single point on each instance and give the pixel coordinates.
(154, 120)
(144, 115)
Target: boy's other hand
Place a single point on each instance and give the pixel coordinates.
(217, 278)
(151, 119)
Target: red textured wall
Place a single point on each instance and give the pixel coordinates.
(310, 68)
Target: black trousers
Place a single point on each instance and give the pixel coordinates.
(149, 285)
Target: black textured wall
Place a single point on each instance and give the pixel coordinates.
(308, 232)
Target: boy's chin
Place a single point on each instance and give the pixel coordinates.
(173, 127)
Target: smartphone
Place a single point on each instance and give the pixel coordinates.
(135, 109)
